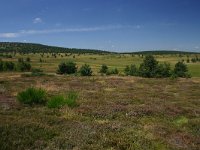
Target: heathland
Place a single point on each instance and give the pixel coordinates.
(109, 112)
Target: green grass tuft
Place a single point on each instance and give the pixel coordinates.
(32, 96)
(60, 101)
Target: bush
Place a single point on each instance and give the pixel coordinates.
(131, 70)
(67, 68)
(181, 70)
(112, 71)
(60, 101)
(149, 67)
(163, 70)
(85, 70)
(71, 99)
(32, 96)
(24, 66)
(56, 102)
(1, 65)
(104, 68)
(8, 66)
(28, 59)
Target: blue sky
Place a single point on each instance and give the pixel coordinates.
(116, 25)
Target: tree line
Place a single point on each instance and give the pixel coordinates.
(39, 48)
(149, 68)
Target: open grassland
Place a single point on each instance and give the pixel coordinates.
(119, 61)
(114, 112)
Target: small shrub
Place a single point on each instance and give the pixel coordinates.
(56, 102)
(1, 65)
(28, 59)
(193, 60)
(104, 68)
(67, 68)
(163, 70)
(181, 70)
(32, 96)
(85, 70)
(131, 70)
(24, 66)
(71, 99)
(112, 71)
(60, 101)
(8, 66)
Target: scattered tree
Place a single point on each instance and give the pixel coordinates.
(67, 68)
(181, 70)
(85, 70)
(104, 68)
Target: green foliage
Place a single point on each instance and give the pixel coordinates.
(56, 102)
(85, 70)
(28, 59)
(1, 65)
(181, 70)
(104, 68)
(112, 71)
(32, 96)
(24, 66)
(163, 70)
(8, 66)
(39, 48)
(60, 101)
(131, 70)
(67, 68)
(71, 99)
(149, 67)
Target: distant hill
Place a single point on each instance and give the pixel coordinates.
(161, 52)
(39, 48)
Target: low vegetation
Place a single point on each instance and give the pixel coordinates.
(110, 110)
(114, 112)
(11, 66)
(32, 96)
(59, 101)
(67, 68)
(85, 70)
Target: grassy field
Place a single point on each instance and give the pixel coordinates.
(118, 61)
(113, 112)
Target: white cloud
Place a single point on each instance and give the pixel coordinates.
(8, 35)
(196, 47)
(37, 20)
(65, 30)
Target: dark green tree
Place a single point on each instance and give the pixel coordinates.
(181, 70)
(67, 68)
(24, 66)
(104, 68)
(131, 70)
(163, 70)
(8, 66)
(149, 67)
(85, 70)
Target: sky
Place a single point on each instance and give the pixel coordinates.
(114, 25)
